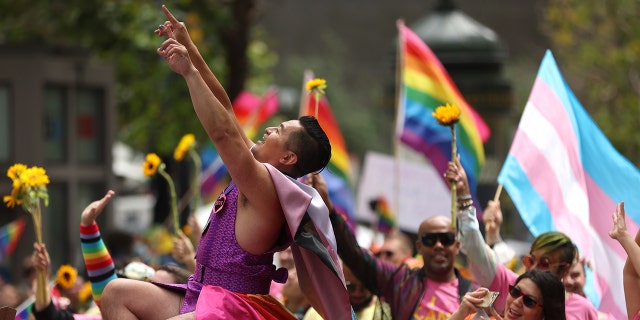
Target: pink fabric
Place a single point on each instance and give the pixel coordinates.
(439, 301)
(218, 303)
(637, 316)
(324, 288)
(578, 307)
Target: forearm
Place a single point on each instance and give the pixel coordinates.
(632, 248)
(481, 259)
(213, 83)
(97, 259)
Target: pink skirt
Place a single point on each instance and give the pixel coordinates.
(218, 303)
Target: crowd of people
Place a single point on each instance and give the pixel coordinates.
(277, 206)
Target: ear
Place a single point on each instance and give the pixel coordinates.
(289, 158)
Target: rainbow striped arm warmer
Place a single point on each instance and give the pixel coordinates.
(97, 259)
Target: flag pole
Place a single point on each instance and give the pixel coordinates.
(498, 192)
(396, 135)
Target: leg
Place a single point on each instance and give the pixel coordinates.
(133, 299)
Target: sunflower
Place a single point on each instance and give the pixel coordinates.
(66, 276)
(150, 166)
(447, 115)
(15, 170)
(317, 84)
(186, 143)
(85, 293)
(34, 177)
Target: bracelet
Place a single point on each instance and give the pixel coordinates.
(465, 197)
(465, 205)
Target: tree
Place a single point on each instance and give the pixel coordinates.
(154, 108)
(597, 44)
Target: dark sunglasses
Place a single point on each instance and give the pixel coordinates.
(445, 238)
(527, 300)
(542, 264)
(385, 253)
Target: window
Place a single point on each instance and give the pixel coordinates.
(55, 124)
(90, 126)
(55, 223)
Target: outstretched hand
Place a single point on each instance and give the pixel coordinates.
(619, 224)
(94, 209)
(173, 28)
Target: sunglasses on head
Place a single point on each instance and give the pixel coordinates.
(543, 263)
(527, 300)
(445, 238)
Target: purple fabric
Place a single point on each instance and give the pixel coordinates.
(220, 261)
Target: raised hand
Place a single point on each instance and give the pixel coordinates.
(176, 55)
(619, 224)
(40, 257)
(316, 181)
(178, 28)
(94, 209)
(456, 174)
(492, 218)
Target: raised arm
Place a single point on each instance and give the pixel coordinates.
(631, 271)
(482, 260)
(181, 34)
(96, 257)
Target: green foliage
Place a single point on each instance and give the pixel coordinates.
(597, 44)
(154, 107)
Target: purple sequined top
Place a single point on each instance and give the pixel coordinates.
(220, 261)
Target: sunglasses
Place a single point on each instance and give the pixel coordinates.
(527, 300)
(353, 287)
(529, 261)
(385, 253)
(445, 238)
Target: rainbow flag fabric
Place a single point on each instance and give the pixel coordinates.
(338, 172)
(10, 235)
(386, 218)
(564, 175)
(424, 86)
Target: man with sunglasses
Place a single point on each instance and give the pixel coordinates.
(552, 251)
(432, 291)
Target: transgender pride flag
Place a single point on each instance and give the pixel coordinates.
(563, 174)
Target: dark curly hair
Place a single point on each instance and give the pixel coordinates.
(311, 145)
(552, 291)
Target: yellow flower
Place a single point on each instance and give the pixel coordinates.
(34, 177)
(317, 84)
(447, 115)
(15, 170)
(150, 166)
(85, 293)
(187, 142)
(66, 276)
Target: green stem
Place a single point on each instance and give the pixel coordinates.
(195, 184)
(174, 206)
(454, 190)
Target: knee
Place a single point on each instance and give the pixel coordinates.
(113, 290)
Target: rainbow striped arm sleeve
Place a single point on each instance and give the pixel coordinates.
(482, 260)
(99, 264)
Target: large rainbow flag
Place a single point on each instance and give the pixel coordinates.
(10, 235)
(252, 111)
(564, 175)
(425, 85)
(338, 172)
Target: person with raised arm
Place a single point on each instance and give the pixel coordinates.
(259, 213)
(631, 271)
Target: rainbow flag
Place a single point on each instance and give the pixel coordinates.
(386, 218)
(252, 111)
(10, 235)
(425, 85)
(338, 172)
(564, 175)
(24, 309)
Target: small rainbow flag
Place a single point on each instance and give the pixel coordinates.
(425, 85)
(24, 309)
(386, 218)
(338, 172)
(10, 235)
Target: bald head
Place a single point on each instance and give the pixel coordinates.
(435, 224)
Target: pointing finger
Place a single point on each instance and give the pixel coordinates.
(169, 15)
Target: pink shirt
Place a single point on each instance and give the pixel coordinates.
(439, 300)
(578, 307)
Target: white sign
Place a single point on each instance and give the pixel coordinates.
(421, 190)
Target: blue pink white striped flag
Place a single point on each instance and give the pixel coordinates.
(563, 174)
